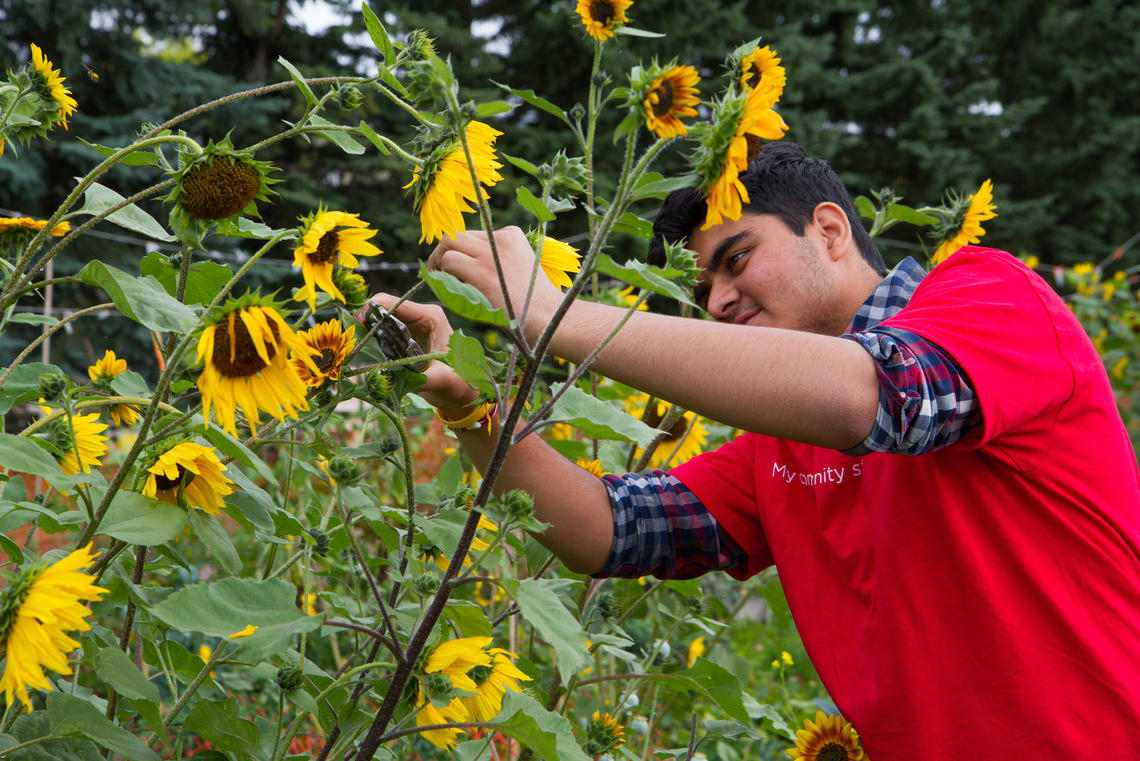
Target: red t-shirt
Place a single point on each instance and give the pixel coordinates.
(981, 601)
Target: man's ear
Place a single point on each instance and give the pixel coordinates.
(834, 228)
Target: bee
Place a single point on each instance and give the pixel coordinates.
(91, 73)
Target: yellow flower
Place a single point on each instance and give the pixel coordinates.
(329, 239)
(333, 344)
(80, 441)
(53, 82)
(603, 733)
(246, 365)
(684, 441)
(628, 296)
(1032, 261)
(101, 374)
(558, 260)
(671, 96)
(1117, 370)
(248, 630)
(458, 656)
(38, 608)
(981, 207)
(449, 188)
(477, 545)
(696, 650)
(492, 682)
(761, 68)
(310, 603)
(561, 431)
(488, 593)
(828, 738)
(756, 120)
(28, 223)
(601, 16)
(786, 657)
(193, 469)
(443, 738)
(205, 652)
(1084, 268)
(592, 466)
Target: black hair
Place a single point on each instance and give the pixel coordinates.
(784, 181)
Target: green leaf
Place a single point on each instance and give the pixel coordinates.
(203, 284)
(468, 618)
(23, 455)
(24, 383)
(721, 685)
(378, 34)
(250, 228)
(543, 609)
(98, 198)
(119, 671)
(909, 215)
(631, 122)
(216, 540)
(758, 710)
(220, 608)
(302, 85)
(536, 101)
(642, 275)
(865, 206)
(142, 299)
(659, 188)
(30, 318)
(220, 723)
(484, 110)
(342, 140)
(137, 519)
(130, 383)
(233, 448)
(275, 639)
(532, 204)
(70, 715)
(35, 725)
(372, 137)
(142, 157)
(465, 355)
(599, 419)
(462, 299)
(547, 733)
(633, 31)
(12, 550)
(523, 164)
(632, 223)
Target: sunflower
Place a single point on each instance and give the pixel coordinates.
(828, 738)
(444, 189)
(218, 184)
(35, 612)
(328, 239)
(246, 365)
(52, 83)
(752, 118)
(761, 68)
(79, 439)
(101, 374)
(558, 260)
(442, 561)
(629, 296)
(332, 344)
(696, 650)
(670, 96)
(11, 224)
(682, 442)
(603, 733)
(966, 224)
(491, 683)
(488, 593)
(444, 738)
(191, 471)
(593, 467)
(601, 16)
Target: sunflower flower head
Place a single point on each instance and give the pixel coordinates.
(188, 474)
(828, 738)
(603, 734)
(77, 440)
(443, 671)
(593, 467)
(961, 222)
(682, 441)
(17, 227)
(758, 67)
(602, 17)
(491, 684)
(740, 120)
(330, 240)
(51, 85)
(353, 287)
(558, 260)
(443, 188)
(333, 344)
(244, 351)
(218, 184)
(105, 370)
(665, 94)
(37, 609)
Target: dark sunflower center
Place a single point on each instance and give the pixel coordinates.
(327, 250)
(832, 752)
(754, 76)
(754, 146)
(480, 674)
(219, 188)
(664, 102)
(327, 360)
(602, 11)
(246, 361)
(653, 418)
(485, 591)
(163, 483)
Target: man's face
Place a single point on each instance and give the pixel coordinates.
(756, 271)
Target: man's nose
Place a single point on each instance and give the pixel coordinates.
(722, 301)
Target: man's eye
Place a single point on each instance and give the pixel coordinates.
(734, 260)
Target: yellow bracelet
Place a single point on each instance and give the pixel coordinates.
(477, 418)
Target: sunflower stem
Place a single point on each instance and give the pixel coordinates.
(191, 688)
(591, 128)
(11, 110)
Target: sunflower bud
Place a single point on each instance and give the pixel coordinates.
(389, 445)
(679, 258)
(288, 678)
(517, 505)
(420, 45)
(349, 97)
(438, 685)
(344, 470)
(320, 541)
(176, 259)
(353, 286)
(426, 584)
(218, 188)
(578, 112)
(379, 384)
(324, 397)
(608, 605)
(51, 385)
(464, 498)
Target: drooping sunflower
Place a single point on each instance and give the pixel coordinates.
(218, 184)
(670, 96)
(330, 239)
(684, 440)
(601, 17)
(558, 260)
(740, 120)
(491, 683)
(828, 738)
(79, 439)
(101, 374)
(36, 610)
(51, 85)
(965, 224)
(444, 738)
(12, 224)
(333, 344)
(245, 352)
(192, 471)
(761, 68)
(603, 733)
(443, 189)
(458, 656)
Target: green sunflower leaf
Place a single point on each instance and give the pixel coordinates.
(220, 608)
(135, 158)
(378, 34)
(205, 281)
(466, 357)
(220, 723)
(462, 299)
(116, 669)
(599, 419)
(23, 384)
(30, 318)
(71, 716)
(533, 204)
(142, 299)
(302, 85)
(372, 137)
(339, 138)
(633, 31)
(909, 215)
(540, 603)
(654, 279)
(484, 110)
(22, 455)
(628, 124)
(137, 519)
(547, 733)
(98, 198)
(865, 206)
(536, 101)
(216, 541)
(653, 185)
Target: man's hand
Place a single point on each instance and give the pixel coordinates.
(468, 257)
(428, 324)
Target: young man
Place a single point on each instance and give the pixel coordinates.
(934, 463)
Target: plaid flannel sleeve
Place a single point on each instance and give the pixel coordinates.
(662, 528)
(925, 399)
